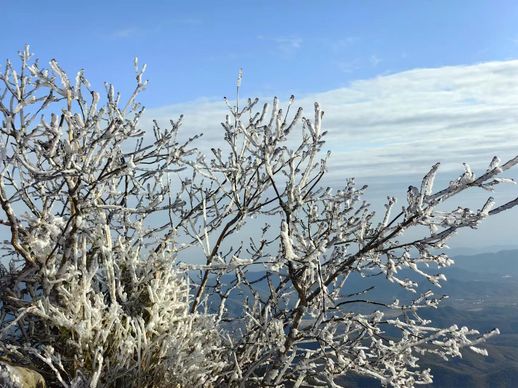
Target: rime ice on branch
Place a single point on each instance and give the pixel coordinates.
(91, 296)
(101, 213)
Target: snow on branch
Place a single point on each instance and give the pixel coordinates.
(104, 218)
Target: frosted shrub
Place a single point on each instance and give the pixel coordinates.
(92, 295)
(101, 215)
(122, 320)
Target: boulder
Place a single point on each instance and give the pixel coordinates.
(12, 376)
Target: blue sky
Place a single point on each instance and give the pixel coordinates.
(194, 48)
(403, 83)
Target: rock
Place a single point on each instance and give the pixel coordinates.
(12, 376)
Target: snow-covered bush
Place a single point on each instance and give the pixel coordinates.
(86, 297)
(125, 321)
(101, 215)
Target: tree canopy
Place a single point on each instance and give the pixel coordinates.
(100, 213)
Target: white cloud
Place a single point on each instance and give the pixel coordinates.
(285, 46)
(133, 32)
(399, 125)
(338, 46)
(130, 32)
(288, 43)
(374, 60)
(348, 66)
(124, 33)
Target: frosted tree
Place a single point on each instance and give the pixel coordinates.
(91, 295)
(101, 216)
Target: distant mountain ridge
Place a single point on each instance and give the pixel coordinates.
(503, 262)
